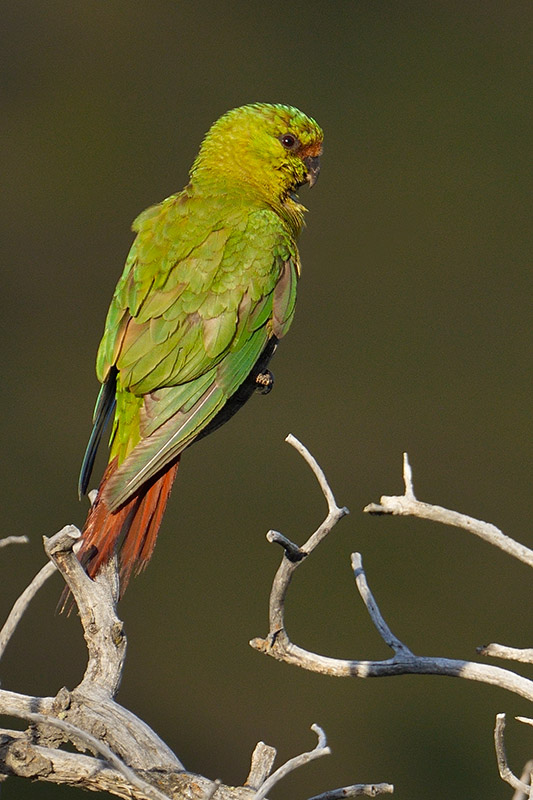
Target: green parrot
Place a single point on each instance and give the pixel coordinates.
(208, 289)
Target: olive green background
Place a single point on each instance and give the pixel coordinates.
(412, 333)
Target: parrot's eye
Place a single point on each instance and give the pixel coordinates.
(289, 141)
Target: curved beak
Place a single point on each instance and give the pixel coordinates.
(313, 169)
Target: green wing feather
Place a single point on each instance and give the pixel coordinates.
(206, 285)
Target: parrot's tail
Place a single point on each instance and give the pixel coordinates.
(133, 526)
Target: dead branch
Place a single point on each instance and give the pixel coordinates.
(278, 645)
(408, 506)
(126, 758)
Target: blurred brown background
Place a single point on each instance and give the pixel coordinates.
(412, 333)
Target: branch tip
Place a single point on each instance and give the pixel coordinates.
(319, 475)
(408, 478)
(522, 654)
(376, 510)
(61, 542)
(262, 761)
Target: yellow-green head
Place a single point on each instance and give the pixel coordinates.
(268, 149)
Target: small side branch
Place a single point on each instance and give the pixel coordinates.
(408, 506)
(265, 785)
(372, 607)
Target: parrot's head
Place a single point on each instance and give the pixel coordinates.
(266, 149)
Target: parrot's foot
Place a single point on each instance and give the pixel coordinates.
(264, 382)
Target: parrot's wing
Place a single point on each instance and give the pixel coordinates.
(183, 425)
(173, 417)
(184, 344)
(180, 307)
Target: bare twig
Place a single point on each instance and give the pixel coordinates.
(505, 772)
(13, 540)
(317, 471)
(292, 551)
(357, 790)
(22, 604)
(372, 607)
(408, 505)
(321, 749)
(281, 648)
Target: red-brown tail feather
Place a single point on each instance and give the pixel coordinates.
(133, 526)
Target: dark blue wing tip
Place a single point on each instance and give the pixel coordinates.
(105, 406)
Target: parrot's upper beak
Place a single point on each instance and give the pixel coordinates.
(313, 169)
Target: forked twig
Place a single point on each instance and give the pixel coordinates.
(301, 760)
(408, 506)
(404, 661)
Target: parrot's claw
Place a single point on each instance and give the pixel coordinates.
(264, 382)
